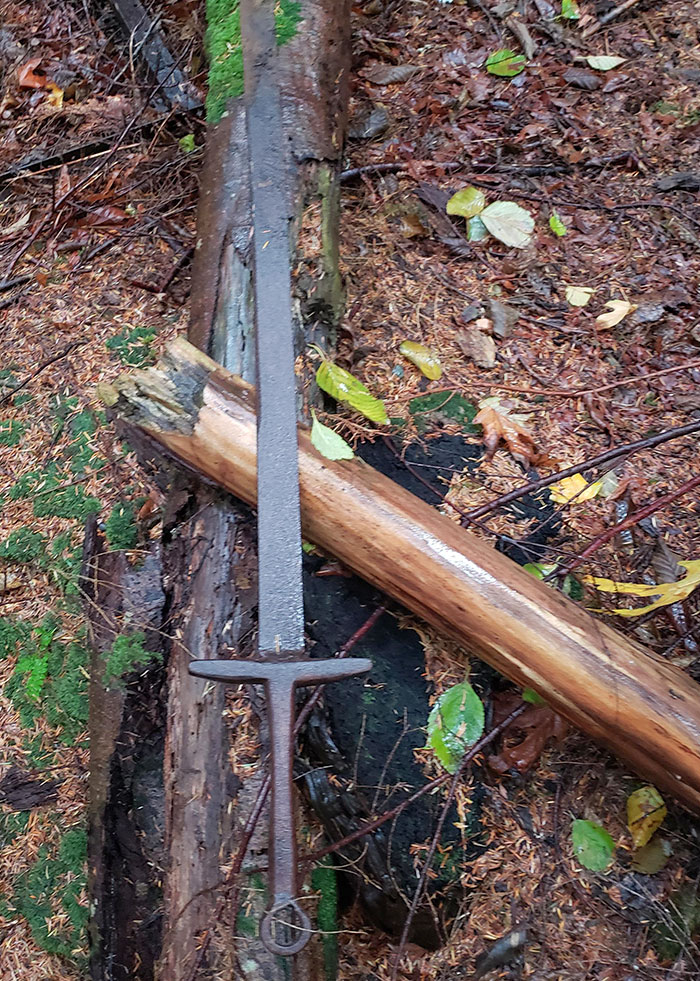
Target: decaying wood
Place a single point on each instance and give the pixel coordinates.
(210, 558)
(644, 709)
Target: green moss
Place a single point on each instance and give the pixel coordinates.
(223, 44)
(126, 655)
(133, 347)
(12, 825)
(323, 879)
(11, 432)
(22, 546)
(448, 404)
(120, 527)
(52, 498)
(54, 883)
(12, 633)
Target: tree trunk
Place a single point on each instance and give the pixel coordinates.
(642, 708)
(210, 561)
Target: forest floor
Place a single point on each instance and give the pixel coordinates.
(95, 280)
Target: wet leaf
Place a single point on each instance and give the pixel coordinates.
(557, 225)
(26, 76)
(505, 63)
(667, 593)
(645, 814)
(581, 78)
(531, 696)
(569, 10)
(476, 230)
(388, 74)
(455, 723)
(652, 857)
(503, 318)
(509, 223)
(423, 358)
(478, 346)
(344, 387)
(593, 846)
(578, 296)
(412, 226)
(55, 98)
(618, 310)
(575, 487)
(467, 202)
(604, 63)
(187, 144)
(500, 425)
(329, 443)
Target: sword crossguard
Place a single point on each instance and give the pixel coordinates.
(285, 929)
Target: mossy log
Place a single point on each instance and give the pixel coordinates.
(645, 710)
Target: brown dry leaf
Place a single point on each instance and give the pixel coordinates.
(538, 724)
(382, 74)
(502, 426)
(26, 76)
(478, 346)
(63, 184)
(412, 226)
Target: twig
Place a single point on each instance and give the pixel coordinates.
(611, 15)
(45, 364)
(597, 461)
(420, 887)
(628, 522)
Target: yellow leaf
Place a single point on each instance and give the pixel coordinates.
(576, 487)
(645, 814)
(55, 95)
(578, 296)
(422, 357)
(618, 311)
(467, 202)
(667, 593)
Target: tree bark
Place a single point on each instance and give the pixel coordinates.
(211, 559)
(642, 708)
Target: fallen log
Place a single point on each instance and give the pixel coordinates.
(642, 708)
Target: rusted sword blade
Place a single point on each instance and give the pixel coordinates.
(285, 928)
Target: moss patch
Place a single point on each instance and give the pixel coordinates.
(223, 44)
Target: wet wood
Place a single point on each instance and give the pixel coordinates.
(641, 707)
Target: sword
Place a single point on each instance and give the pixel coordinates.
(281, 664)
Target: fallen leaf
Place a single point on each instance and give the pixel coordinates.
(467, 202)
(423, 358)
(581, 78)
(455, 723)
(63, 184)
(344, 387)
(557, 225)
(593, 846)
(575, 487)
(478, 346)
(505, 63)
(381, 74)
(15, 227)
(645, 814)
(618, 311)
(26, 76)
(476, 230)
(652, 857)
(604, 63)
(504, 318)
(329, 443)
(55, 98)
(502, 426)
(569, 10)
(509, 223)
(412, 226)
(667, 593)
(578, 296)
(538, 724)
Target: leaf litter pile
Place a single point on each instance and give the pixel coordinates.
(522, 269)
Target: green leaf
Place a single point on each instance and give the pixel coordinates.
(569, 10)
(344, 387)
(509, 223)
(646, 811)
(422, 357)
(467, 202)
(455, 723)
(593, 846)
(476, 229)
(604, 63)
(557, 225)
(531, 696)
(329, 443)
(652, 857)
(505, 62)
(187, 144)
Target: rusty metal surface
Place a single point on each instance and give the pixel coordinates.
(285, 929)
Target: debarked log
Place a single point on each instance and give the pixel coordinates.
(642, 708)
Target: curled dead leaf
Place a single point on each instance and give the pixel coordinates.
(500, 425)
(618, 310)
